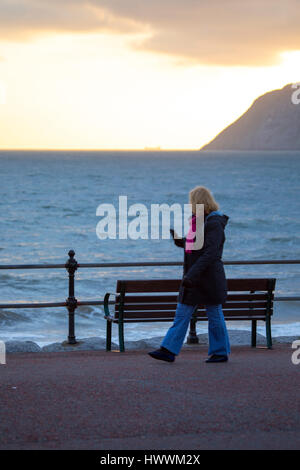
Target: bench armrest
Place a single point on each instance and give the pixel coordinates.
(107, 314)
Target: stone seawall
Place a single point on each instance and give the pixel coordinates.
(237, 338)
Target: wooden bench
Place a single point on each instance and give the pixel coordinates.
(156, 300)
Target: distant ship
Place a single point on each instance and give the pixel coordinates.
(152, 148)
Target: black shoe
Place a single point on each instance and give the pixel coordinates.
(217, 358)
(162, 355)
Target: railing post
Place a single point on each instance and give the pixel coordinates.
(192, 336)
(71, 267)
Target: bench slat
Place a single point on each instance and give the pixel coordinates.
(150, 298)
(246, 312)
(166, 306)
(258, 284)
(172, 285)
(154, 285)
(174, 297)
(170, 313)
(150, 306)
(168, 319)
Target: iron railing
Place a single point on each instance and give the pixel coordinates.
(72, 265)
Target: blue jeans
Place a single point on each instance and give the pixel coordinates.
(217, 331)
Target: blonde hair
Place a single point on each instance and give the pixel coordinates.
(202, 195)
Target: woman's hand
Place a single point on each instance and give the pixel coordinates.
(177, 240)
(173, 233)
(187, 282)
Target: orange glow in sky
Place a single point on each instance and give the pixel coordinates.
(93, 90)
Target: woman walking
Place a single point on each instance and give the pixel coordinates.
(203, 282)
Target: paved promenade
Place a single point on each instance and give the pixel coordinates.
(99, 400)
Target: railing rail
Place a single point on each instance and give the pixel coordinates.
(72, 265)
(142, 264)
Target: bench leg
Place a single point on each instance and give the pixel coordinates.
(268, 332)
(192, 337)
(253, 333)
(121, 336)
(108, 335)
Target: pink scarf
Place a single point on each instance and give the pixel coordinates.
(189, 241)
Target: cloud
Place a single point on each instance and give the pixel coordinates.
(23, 19)
(215, 32)
(231, 32)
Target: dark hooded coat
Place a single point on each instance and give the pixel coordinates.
(204, 268)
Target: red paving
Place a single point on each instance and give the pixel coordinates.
(99, 400)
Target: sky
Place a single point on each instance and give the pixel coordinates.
(130, 74)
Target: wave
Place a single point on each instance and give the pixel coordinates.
(10, 317)
(86, 311)
(49, 206)
(249, 223)
(6, 277)
(283, 239)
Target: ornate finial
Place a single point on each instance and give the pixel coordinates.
(71, 264)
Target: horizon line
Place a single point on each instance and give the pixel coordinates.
(100, 149)
(35, 149)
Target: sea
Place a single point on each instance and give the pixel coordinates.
(48, 205)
